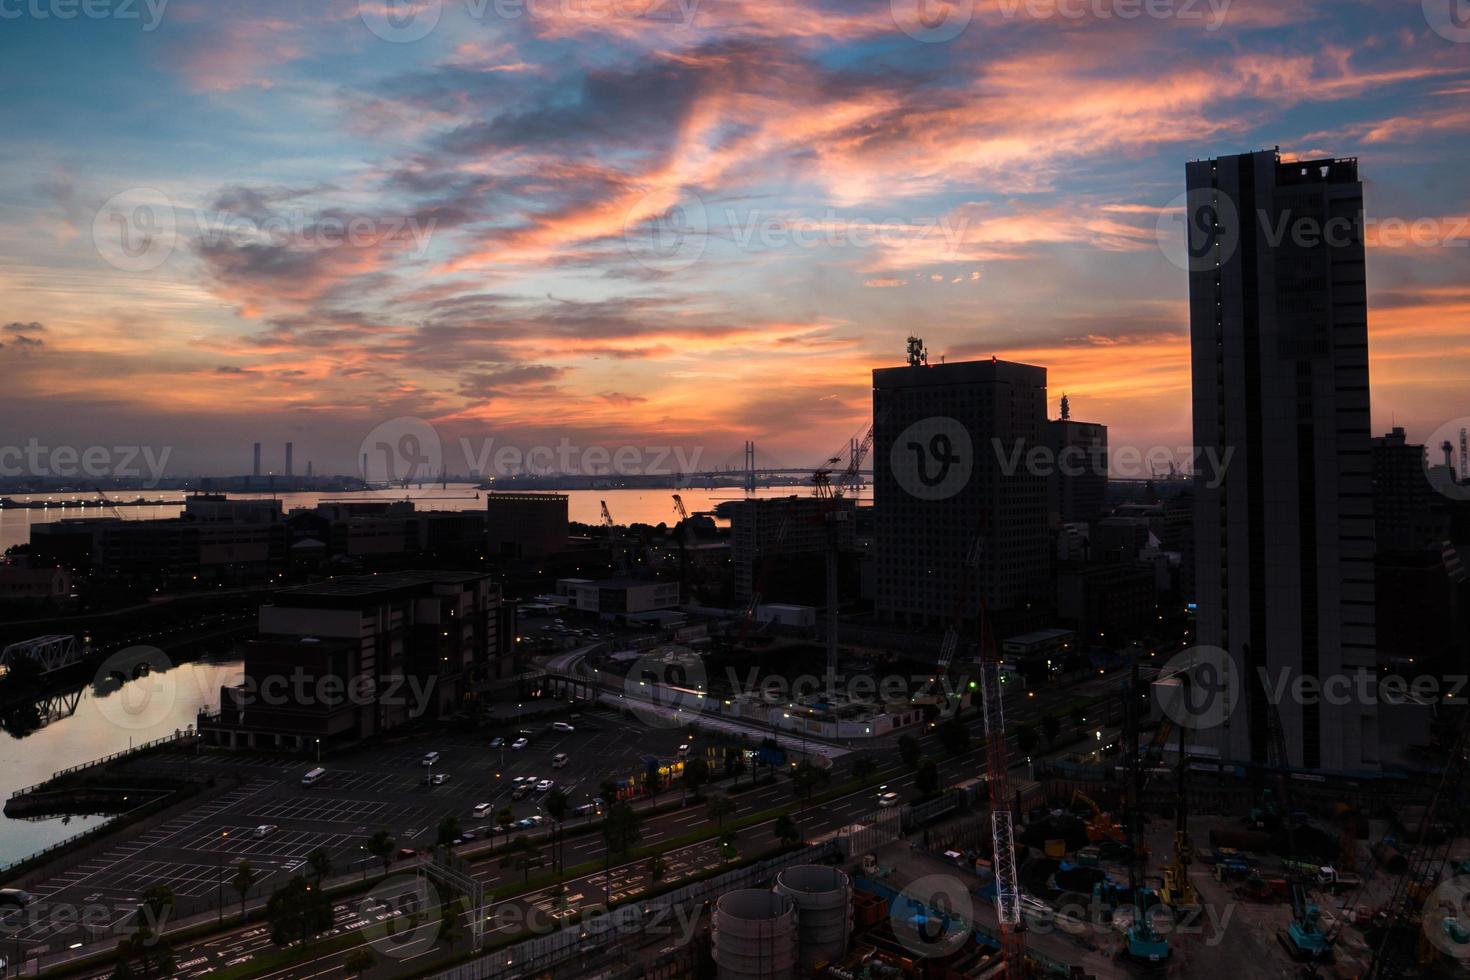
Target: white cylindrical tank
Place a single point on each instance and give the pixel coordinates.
(823, 898)
(755, 936)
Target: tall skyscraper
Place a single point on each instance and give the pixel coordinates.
(1284, 498)
(1078, 488)
(289, 449)
(256, 470)
(949, 466)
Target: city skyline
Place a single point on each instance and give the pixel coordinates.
(616, 230)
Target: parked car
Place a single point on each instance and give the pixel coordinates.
(265, 830)
(519, 793)
(559, 760)
(497, 742)
(15, 896)
(430, 758)
(482, 810)
(520, 743)
(440, 778)
(888, 799)
(562, 726)
(545, 785)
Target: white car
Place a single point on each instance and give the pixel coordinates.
(265, 830)
(482, 810)
(430, 758)
(888, 799)
(545, 785)
(562, 726)
(520, 743)
(440, 778)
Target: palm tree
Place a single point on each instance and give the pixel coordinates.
(556, 805)
(719, 807)
(505, 817)
(320, 863)
(786, 830)
(656, 870)
(243, 881)
(524, 855)
(381, 846)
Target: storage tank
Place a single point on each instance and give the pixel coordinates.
(755, 936)
(823, 898)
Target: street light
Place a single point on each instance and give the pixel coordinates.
(219, 877)
(318, 750)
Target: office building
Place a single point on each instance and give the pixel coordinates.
(1078, 488)
(619, 597)
(949, 467)
(1284, 529)
(1409, 514)
(526, 525)
(779, 545)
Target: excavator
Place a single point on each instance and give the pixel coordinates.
(1100, 826)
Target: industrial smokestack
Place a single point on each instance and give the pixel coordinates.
(288, 459)
(256, 471)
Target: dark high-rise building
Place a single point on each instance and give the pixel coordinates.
(1284, 525)
(289, 448)
(1078, 489)
(255, 471)
(949, 467)
(1409, 514)
(526, 525)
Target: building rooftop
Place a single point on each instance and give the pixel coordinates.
(363, 585)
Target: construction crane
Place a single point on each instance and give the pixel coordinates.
(106, 500)
(681, 531)
(832, 515)
(1397, 950)
(615, 540)
(1002, 831)
(1142, 942)
(1178, 892)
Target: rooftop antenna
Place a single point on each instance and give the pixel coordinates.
(918, 354)
(1066, 408)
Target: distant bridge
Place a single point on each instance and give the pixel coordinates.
(50, 653)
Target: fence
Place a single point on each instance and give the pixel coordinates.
(626, 920)
(179, 735)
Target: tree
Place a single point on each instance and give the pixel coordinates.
(359, 961)
(448, 831)
(243, 881)
(728, 850)
(786, 830)
(557, 805)
(653, 781)
(320, 863)
(926, 778)
(696, 774)
(734, 766)
(805, 778)
(719, 807)
(908, 750)
(865, 768)
(656, 869)
(955, 736)
(159, 901)
(1026, 738)
(620, 828)
(505, 818)
(523, 856)
(381, 846)
(608, 791)
(1051, 727)
(296, 911)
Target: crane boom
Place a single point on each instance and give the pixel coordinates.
(1002, 831)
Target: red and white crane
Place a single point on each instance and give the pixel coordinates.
(1002, 832)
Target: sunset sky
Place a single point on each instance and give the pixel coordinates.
(659, 222)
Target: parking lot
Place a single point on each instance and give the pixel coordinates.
(363, 791)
